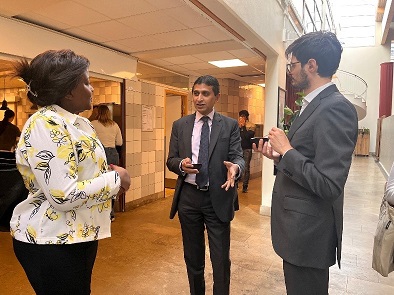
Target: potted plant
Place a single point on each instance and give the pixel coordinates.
(290, 115)
(363, 131)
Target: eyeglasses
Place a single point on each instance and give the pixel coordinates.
(290, 66)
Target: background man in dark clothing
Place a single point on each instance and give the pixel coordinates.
(247, 130)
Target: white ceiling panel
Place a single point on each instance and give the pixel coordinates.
(212, 71)
(43, 21)
(118, 8)
(171, 34)
(160, 62)
(111, 30)
(180, 60)
(188, 17)
(143, 43)
(16, 7)
(242, 53)
(212, 33)
(199, 66)
(253, 60)
(219, 55)
(178, 69)
(163, 4)
(181, 38)
(116, 46)
(72, 14)
(153, 23)
(77, 32)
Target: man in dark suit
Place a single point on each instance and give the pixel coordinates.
(206, 197)
(312, 165)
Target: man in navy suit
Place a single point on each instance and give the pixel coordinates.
(312, 164)
(210, 204)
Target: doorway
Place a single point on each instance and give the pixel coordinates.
(175, 108)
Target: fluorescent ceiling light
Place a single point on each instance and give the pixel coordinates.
(262, 85)
(228, 63)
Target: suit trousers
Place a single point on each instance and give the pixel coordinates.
(305, 280)
(196, 213)
(247, 154)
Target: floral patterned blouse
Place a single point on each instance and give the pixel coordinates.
(64, 167)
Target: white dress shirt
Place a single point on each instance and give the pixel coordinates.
(196, 136)
(308, 98)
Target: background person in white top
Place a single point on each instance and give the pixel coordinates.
(110, 136)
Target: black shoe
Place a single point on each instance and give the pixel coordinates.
(245, 189)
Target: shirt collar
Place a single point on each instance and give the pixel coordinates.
(210, 115)
(72, 118)
(308, 98)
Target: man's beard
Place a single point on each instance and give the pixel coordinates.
(303, 83)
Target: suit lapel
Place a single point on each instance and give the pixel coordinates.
(310, 109)
(188, 131)
(215, 131)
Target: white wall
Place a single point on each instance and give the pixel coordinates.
(265, 18)
(24, 40)
(386, 155)
(365, 62)
(261, 23)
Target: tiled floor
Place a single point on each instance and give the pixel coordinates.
(145, 256)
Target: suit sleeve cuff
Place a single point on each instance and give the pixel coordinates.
(180, 169)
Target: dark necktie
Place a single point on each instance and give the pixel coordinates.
(202, 176)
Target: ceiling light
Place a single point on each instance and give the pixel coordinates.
(262, 85)
(228, 63)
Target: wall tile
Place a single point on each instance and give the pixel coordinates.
(151, 189)
(159, 166)
(152, 167)
(137, 134)
(136, 182)
(159, 187)
(136, 146)
(137, 98)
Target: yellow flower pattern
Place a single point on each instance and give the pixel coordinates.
(63, 166)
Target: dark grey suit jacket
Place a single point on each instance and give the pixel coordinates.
(307, 199)
(224, 145)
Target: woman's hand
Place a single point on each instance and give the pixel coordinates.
(124, 176)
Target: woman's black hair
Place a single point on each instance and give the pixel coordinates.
(51, 75)
(7, 115)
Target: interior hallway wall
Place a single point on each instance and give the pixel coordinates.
(144, 149)
(263, 24)
(386, 155)
(365, 62)
(236, 96)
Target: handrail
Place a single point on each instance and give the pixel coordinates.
(349, 82)
(354, 75)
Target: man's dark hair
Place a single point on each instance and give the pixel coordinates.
(8, 114)
(322, 46)
(210, 81)
(244, 113)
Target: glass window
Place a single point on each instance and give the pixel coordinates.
(298, 6)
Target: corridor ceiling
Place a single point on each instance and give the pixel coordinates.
(177, 35)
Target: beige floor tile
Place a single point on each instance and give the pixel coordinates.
(145, 256)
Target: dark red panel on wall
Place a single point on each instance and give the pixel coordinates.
(386, 89)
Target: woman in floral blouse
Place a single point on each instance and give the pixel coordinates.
(63, 165)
